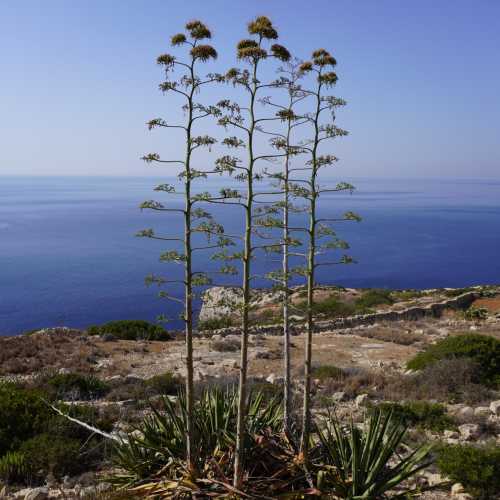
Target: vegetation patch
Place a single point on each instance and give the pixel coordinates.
(475, 313)
(482, 349)
(431, 416)
(131, 330)
(77, 386)
(324, 372)
(216, 323)
(374, 297)
(477, 468)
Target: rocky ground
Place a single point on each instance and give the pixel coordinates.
(372, 356)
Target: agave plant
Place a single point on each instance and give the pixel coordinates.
(365, 464)
(153, 456)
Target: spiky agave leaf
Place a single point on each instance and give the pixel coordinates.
(354, 463)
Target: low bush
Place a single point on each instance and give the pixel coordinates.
(374, 297)
(482, 349)
(431, 416)
(404, 295)
(225, 344)
(167, 383)
(34, 438)
(454, 380)
(392, 334)
(23, 414)
(324, 372)
(131, 330)
(475, 313)
(477, 468)
(77, 386)
(216, 323)
(331, 307)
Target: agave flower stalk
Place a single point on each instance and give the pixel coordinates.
(246, 122)
(188, 85)
(321, 68)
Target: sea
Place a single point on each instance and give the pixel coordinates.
(69, 255)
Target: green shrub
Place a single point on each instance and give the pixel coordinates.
(482, 349)
(477, 468)
(77, 386)
(421, 414)
(455, 292)
(216, 323)
(13, 468)
(403, 295)
(23, 414)
(475, 313)
(331, 307)
(131, 330)
(47, 453)
(167, 384)
(324, 372)
(374, 297)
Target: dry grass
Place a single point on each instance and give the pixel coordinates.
(27, 354)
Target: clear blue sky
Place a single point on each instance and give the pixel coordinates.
(422, 80)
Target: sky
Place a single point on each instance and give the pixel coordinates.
(421, 79)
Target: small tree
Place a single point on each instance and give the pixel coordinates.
(187, 86)
(322, 238)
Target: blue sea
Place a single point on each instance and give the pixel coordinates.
(68, 254)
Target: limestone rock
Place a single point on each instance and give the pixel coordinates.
(36, 493)
(361, 400)
(482, 411)
(495, 407)
(469, 431)
(466, 413)
(274, 379)
(457, 489)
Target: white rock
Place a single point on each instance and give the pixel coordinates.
(339, 396)
(434, 479)
(37, 494)
(361, 400)
(451, 434)
(495, 407)
(456, 489)
(466, 412)
(469, 431)
(274, 379)
(482, 411)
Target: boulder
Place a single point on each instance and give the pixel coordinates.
(451, 434)
(36, 493)
(457, 489)
(361, 400)
(469, 431)
(465, 413)
(274, 379)
(339, 396)
(482, 411)
(495, 407)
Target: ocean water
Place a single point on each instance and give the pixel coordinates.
(68, 254)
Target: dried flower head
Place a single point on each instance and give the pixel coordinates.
(198, 30)
(232, 73)
(305, 67)
(246, 43)
(328, 78)
(263, 27)
(322, 57)
(254, 53)
(280, 52)
(178, 39)
(166, 60)
(203, 52)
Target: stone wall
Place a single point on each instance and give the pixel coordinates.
(435, 310)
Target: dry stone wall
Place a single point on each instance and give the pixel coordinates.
(435, 310)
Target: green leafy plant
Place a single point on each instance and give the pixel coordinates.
(166, 383)
(46, 453)
(216, 323)
(374, 297)
(324, 372)
(476, 467)
(482, 349)
(354, 463)
(77, 386)
(476, 313)
(422, 414)
(131, 330)
(13, 467)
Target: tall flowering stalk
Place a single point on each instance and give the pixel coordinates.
(244, 119)
(196, 220)
(322, 238)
